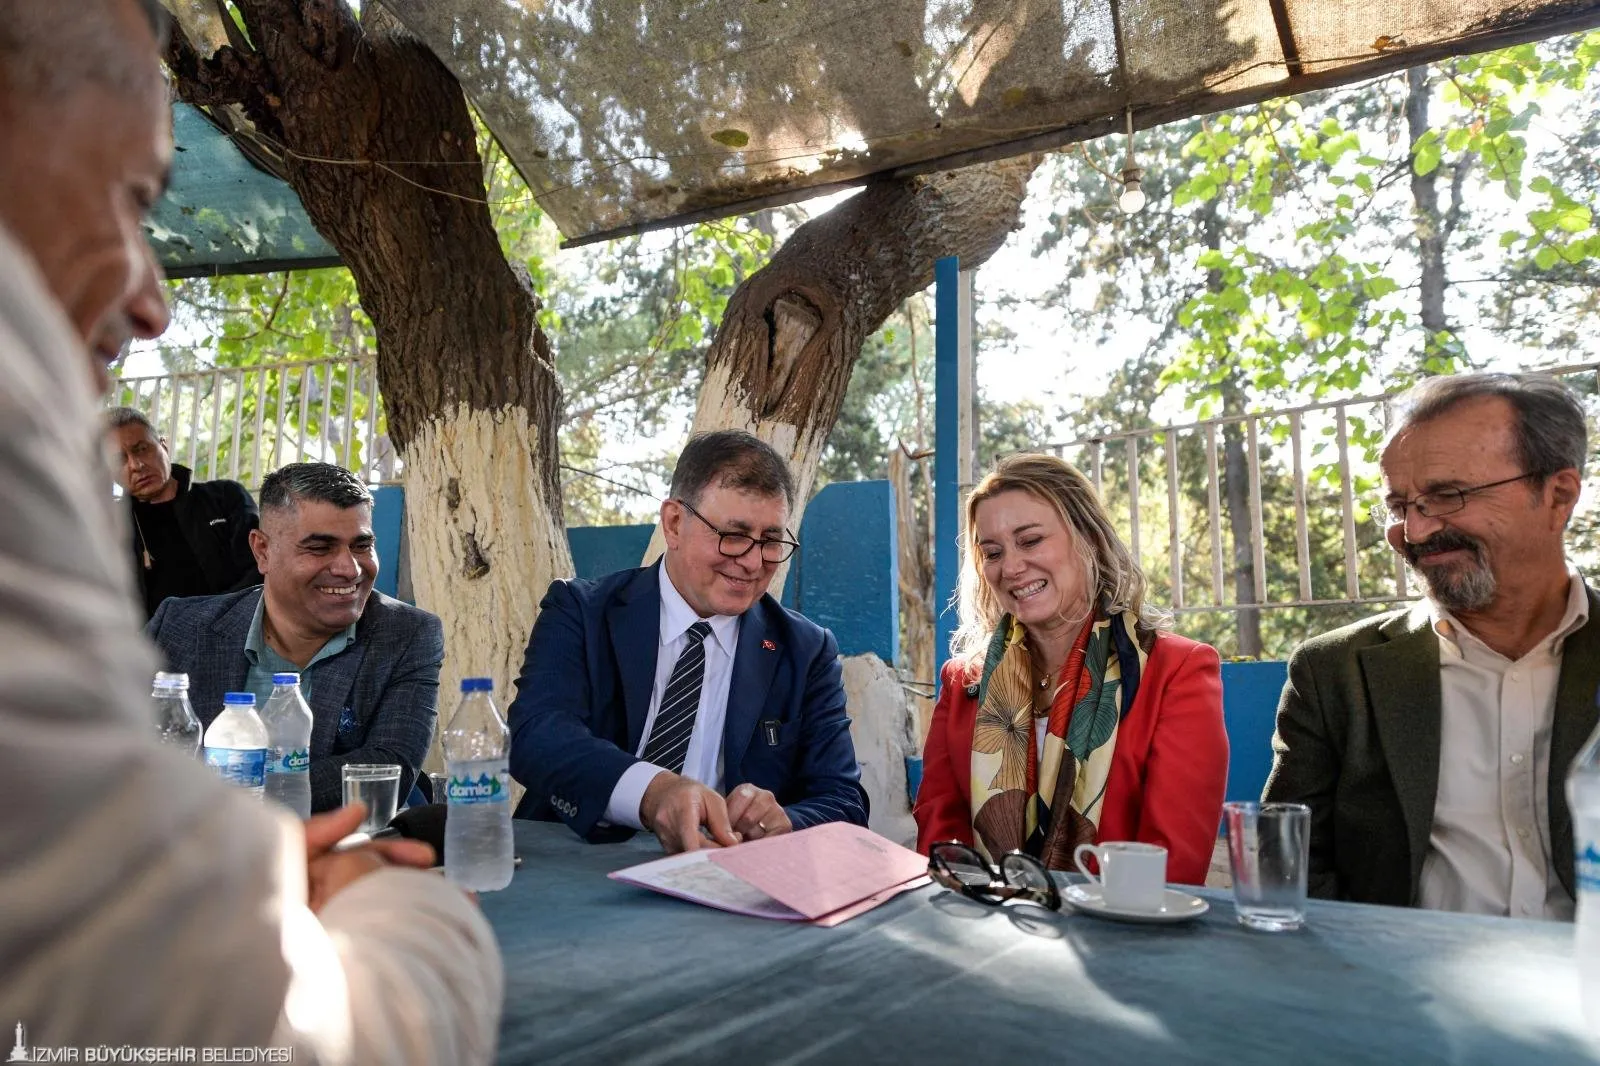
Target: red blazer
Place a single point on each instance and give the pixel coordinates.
(1168, 774)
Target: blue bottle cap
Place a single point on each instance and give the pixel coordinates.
(477, 684)
(241, 699)
(285, 679)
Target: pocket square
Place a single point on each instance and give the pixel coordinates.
(216, 522)
(347, 722)
(769, 646)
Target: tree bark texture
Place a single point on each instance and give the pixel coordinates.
(791, 334)
(1235, 476)
(1426, 217)
(916, 592)
(376, 138)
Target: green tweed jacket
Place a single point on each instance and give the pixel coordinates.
(1358, 741)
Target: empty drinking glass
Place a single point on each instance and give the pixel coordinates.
(1269, 848)
(378, 786)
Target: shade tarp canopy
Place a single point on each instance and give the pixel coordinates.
(626, 115)
(224, 215)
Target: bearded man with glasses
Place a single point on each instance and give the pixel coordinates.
(1432, 743)
(680, 698)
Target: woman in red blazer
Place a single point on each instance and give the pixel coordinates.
(1067, 714)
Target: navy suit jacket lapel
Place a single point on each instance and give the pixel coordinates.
(754, 664)
(331, 688)
(227, 659)
(634, 623)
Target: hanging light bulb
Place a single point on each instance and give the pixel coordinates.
(1132, 198)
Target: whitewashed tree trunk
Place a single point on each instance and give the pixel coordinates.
(484, 542)
(470, 396)
(792, 332)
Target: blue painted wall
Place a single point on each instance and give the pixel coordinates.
(1250, 694)
(601, 550)
(388, 511)
(847, 575)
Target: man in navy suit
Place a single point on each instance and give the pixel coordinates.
(368, 665)
(648, 696)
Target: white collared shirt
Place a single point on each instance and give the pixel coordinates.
(1489, 849)
(703, 762)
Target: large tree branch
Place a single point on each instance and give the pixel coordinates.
(227, 77)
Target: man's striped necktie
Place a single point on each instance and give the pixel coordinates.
(674, 724)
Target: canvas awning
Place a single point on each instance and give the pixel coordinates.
(627, 115)
(224, 215)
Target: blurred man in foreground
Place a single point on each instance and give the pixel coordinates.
(146, 905)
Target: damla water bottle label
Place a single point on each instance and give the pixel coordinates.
(478, 782)
(1588, 865)
(289, 761)
(246, 767)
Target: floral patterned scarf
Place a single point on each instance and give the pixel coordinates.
(1047, 805)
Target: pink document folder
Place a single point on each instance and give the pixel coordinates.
(823, 874)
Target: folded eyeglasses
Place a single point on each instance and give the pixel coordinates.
(961, 868)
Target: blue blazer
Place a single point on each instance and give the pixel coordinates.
(585, 692)
(374, 702)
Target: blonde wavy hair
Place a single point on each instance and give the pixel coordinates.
(1110, 570)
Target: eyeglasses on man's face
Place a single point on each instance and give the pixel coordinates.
(1436, 503)
(736, 545)
(961, 868)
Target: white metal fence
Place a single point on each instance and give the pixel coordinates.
(1308, 484)
(244, 422)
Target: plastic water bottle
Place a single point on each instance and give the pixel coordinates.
(288, 722)
(236, 743)
(1583, 797)
(477, 831)
(176, 724)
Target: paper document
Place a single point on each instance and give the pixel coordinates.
(824, 874)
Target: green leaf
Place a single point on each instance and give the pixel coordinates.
(1426, 160)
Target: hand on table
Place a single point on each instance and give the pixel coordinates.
(329, 871)
(674, 808)
(755, 813)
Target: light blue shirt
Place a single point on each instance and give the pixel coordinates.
(264, 662)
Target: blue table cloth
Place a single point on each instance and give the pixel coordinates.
(598, 971)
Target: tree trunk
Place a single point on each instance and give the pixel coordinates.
(466, 375)
(1236, 485)
(1425, 214)
(783, 353)
(916, 592)
(1235, 475)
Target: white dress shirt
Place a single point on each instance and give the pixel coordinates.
(703, 762)
(1489, 850)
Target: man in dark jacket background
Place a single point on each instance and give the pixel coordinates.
(190, 538)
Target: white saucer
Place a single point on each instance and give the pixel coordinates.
(1175, 906)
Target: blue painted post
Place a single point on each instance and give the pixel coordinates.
(946, 443)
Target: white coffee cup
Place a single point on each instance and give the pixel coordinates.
(1132, 876)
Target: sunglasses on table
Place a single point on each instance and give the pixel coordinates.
(961, 868)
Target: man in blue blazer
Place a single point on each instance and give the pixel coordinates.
(368, 665)
(680, 698)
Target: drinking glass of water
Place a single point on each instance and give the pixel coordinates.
(378, 786)
(1269, 848)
